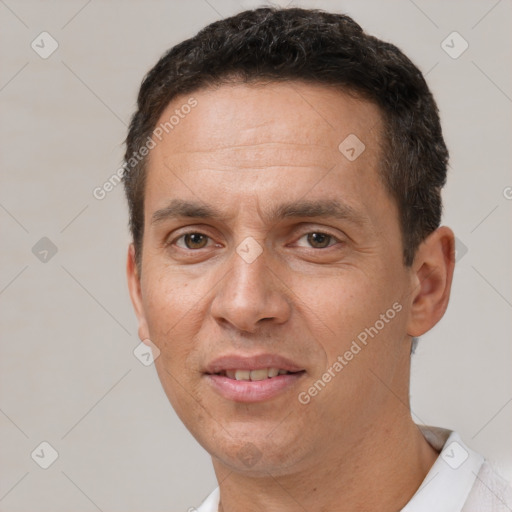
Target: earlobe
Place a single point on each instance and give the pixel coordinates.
(433, 273)
(134, 286)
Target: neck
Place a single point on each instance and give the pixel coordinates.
(382, 471)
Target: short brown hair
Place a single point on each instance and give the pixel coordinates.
(318, 47)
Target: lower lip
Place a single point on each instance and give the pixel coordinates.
(253, 391)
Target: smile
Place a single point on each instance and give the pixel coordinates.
(254, 375)
(250, 386)
(252, 378)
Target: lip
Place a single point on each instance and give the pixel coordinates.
(252, 391)
(256, 362)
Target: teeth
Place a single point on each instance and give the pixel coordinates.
(242, 374)
(261, 374)
(274, 372)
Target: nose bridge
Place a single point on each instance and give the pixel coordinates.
(249, 293)
(250, 269)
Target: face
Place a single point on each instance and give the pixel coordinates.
(270, 242)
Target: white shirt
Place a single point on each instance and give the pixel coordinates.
(460, 480)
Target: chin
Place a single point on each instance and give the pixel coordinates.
(256, 451)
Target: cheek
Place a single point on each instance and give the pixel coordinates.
(345, 307)
(171, 307)
(174, 317)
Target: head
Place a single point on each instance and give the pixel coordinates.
(286, 208)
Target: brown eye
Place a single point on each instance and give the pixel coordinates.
(319, 240)
(195, 240)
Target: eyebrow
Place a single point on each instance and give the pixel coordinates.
(319, 208)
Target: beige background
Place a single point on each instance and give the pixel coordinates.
(68, 374)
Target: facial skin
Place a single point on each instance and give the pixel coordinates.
(245, 150)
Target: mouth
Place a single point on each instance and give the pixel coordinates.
(252, 378)
(256, 374)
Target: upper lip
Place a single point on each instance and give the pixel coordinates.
(257, 362)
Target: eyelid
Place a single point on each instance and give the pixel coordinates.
(310, 227)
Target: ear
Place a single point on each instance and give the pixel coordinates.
(432, 269)
(134, 287)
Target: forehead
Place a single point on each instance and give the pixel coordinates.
(290, 121)
(242, 142)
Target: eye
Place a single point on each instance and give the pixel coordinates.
(192, 240)
(319, 240)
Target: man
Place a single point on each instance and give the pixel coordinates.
(283, 173)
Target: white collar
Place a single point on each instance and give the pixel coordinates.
(446, 486)
(452, 476)
(211, 503)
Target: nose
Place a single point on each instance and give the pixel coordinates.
(250, 295)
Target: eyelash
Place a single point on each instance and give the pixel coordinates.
(302, 236)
